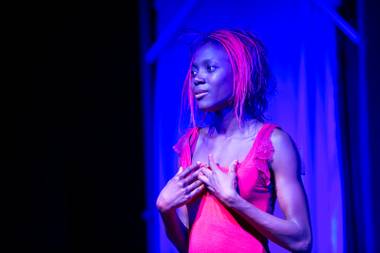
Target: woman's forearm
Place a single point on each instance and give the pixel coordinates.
(286, 233)
(175, 230)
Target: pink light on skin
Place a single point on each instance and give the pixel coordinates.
(187, 93)
(249, 80)
(241, 63)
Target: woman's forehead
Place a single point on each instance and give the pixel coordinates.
(210, 52)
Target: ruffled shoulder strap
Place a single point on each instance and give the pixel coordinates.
(185, 145)
(264, 148)
(261, 153)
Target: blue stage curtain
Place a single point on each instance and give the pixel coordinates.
(301, 45)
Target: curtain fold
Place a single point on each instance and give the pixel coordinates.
(301, 46)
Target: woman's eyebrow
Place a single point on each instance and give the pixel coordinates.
(204, 62)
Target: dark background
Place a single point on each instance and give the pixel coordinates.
(73, 161)
(74, 143)
(355, 199)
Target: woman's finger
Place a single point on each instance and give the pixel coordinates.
(232, 167)
(193, 185)
(189, 169)
(179, 170)
(204, 179)
(207, 172)
(196, 191)
(191, 178)
(206, 182)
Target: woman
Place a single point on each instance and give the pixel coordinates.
(233, 165)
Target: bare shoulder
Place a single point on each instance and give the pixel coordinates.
(280, 139)
(285, 154)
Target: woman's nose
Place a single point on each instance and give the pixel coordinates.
(199, 80)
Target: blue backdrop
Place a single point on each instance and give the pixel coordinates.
(301, 44)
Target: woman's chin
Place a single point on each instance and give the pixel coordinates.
(204, 106)
(208, 104)
(208, 107)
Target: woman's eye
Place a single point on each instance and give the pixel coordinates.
(193, 72)
(211, 68)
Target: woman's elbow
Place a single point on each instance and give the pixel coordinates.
(303, 245)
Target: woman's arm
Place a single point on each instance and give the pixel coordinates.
(179, 190)
(293, 232)
(176, 230)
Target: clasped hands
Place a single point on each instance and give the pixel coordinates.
(189, 183)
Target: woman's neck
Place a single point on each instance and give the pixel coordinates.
(225, 123)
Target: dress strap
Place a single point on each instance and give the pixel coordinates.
(262, 147)
(185, 145)
(266, 131)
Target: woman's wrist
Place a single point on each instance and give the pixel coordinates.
(231, 200)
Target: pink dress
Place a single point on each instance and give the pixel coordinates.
(215, 228)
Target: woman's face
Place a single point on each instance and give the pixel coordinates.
(212, 78)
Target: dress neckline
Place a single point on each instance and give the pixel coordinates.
(194, 139)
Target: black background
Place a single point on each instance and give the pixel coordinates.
(74, 136)
(72, 157)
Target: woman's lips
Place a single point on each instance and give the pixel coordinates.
(201, 94)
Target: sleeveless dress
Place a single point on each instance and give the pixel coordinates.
(217, 229)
